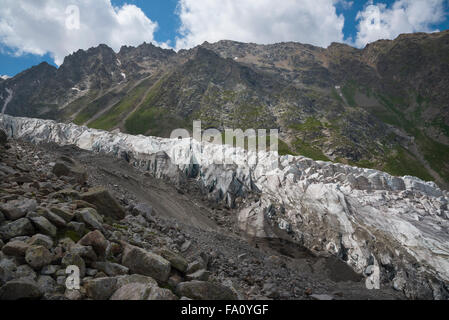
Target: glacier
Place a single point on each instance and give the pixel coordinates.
(393, 230)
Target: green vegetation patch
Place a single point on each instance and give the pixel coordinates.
(77, 105)
(96, 106)
(154, 121)
(310, 125)
(110, 119)
(401, 163)
(309, 151)
(435, 153)
(349, 91)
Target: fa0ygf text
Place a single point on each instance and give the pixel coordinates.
(246, 309)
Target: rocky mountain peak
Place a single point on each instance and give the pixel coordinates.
(86, 58)
(145, 51)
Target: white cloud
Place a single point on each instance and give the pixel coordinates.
(39, 26)
(261, 21)
(377, 21)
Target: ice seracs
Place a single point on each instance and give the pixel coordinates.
(7, 100)
(393, 230)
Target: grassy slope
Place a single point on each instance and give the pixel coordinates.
(400, 161)
(113, 117)
(96, 106)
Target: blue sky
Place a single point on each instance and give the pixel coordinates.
(162, 11)
(26, 42)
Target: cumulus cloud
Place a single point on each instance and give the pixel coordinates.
(50, 26)
(260, 21)
(377, 21)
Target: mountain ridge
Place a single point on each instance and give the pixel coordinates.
(383, 106)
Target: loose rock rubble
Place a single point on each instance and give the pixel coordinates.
(54, 219)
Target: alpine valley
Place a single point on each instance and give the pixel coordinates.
(383, 107)
(356, 199)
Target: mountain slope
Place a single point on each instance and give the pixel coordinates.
(382, 107)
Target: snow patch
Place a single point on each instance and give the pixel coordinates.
(8, 99)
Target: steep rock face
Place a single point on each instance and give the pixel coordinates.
(145, 57)
(27, 86)
(391, 229)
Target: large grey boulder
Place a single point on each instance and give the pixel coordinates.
(146, 263)
(110, 268)
(25, 271)
(86, 252)
(144, 210)
(66, 195)
(20, 289)
(105, 203)
(53, 217)
(176, 260)
(21, 227)
(44, 226)
(15, 248)
(101, 288)
(47, 284)
(41, 240)
(90, 218)
(6, 274)
(16, 209)
(38, 257)
(135, 278)
(132, 291)
(142, 291)
(97, 241)
(68, 167)
(62, 213)
(201, 290)
(78, 227)
(161, 294)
